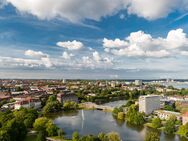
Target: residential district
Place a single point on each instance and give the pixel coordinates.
(154, 104)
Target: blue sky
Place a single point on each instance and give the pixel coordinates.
(125, 39)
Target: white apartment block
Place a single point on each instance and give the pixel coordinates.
(149, 103)
(138, 82)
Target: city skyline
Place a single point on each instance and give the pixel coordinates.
(87, 39)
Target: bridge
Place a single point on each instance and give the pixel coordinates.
(91, 105)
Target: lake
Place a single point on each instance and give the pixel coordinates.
(94, 121)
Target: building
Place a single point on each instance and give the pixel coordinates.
(138, 82)
(185, 118)
(28, 103)
(66, 96)
(149, 103)
(64, 81)
(163, 114)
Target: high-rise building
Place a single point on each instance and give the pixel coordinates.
(149, 103)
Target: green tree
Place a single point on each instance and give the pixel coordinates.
(75, 136)
(46, 126)
(169, 127)
(40, 124)
(183, 130)
(152, 136)
(103, 137)
(41, 136)
(52, 106)
(156, 122)
(4, 135)
(121, 116)
(113, 136)
(134, 117)
(51, 129)
(16, 129)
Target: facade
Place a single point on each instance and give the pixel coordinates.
(185, 118)
(28, 103)
(163, 114)
(138, 82)
(149, 103)
(66, 96)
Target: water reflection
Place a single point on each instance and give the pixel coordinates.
(99, 121)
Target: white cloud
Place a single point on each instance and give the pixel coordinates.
(78, 10)
(140, 44)
(114, 43)
(71, 45)
(176, 38)
(96, 56)
(153, 9)
(73, 10)
(185, 53)
(66, 55)
(17, 62)
(33, 53)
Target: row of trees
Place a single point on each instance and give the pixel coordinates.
(112, 136)
(132, 115)
(53, 105)
(169, 127)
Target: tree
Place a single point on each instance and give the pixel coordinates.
(152, 136)
(103, 137)
(183, 130)
(28, 116)
(4, 136)
(52, 106)
(46, 126)
(156, 122)
(134, 117)
(16, 130)
(51, 98)
(70, 105)
(40, 124)
(113, 136)
(41, 136)
(51, 129)
(75, 136)
(169, 127)
(121, 116)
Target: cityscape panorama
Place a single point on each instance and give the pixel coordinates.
(93, 70)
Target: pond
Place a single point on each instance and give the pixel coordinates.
(94, 121)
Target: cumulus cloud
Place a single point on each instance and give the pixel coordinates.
(33, 53)
(140, 44)
(66, 55)
(96, 56)
(79, 10)
(42, 59)
(71, 45)
(152, 9)
(114, 43)
(72, 10)
(22, 62)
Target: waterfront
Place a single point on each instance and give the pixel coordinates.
(94, 122)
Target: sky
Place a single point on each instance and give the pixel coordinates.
(94, 39)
